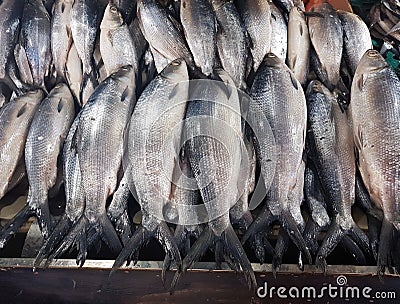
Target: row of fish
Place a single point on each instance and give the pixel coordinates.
(316, 93)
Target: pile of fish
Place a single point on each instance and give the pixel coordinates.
(298, 102)
(384, 22)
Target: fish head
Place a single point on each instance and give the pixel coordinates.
(112, 17)
(273, 61)
(176, 71)
(34, 96)
(371, 62)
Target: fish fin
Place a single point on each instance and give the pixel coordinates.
(394, 29)
(273, 16)
(301, 29)
(373, 234)
(108, 234)
(62, 228)
(263, 220)
(294, 80)
(138, 239)
(167, 241)
(22, 62)
(289, 224)
(80, 227)
(311, 231)
(110, 38)
(62, 7)
(235, 249)
(42, 213)
(13, 225)
(22, 110)
(332, 238)
(280, 248)
(360, 238)
(125, 94)
(176, 24)
(351, 247)
(385, 242)
(198, 249)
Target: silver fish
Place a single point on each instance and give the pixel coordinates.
(161, 31)
(44, 143)
(200, 28)
(275, 87)
(160, 107)
(10, 20)
(33, 51)
(231, 41)
(84, 24)
(279, 33)
(256, 16)
(356, 39)
(15, 119)
(375, 97)
(74, 73)
(206, 154)
(330, 146)
(326, 35)
(61, 36)
(116, 44)
(298, 53)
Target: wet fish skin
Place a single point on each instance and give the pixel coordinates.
(15, 118)
(117, 47)
(143, 162)
(375, 95)
(84, 23)
(47, 132)
(10, 20)
(299, 44)
(200, 28)
(330, 146)
(278, 33)
(274, 86)
(356, 39)
(326, 35)
(33, 52)
(256, 16)
(165, 37)
(231, 41)
(74, 73)
(100, 134)
(61, 36)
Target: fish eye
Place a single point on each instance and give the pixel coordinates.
(114, 9)
(373, 53)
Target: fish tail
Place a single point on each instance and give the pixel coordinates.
(385, 245)
(353, 248)
(234, 247)
(139, 238)
(62, 228)
(281, 246)
(77, 230)
(373, 234)
(360, 238)
(42, 213)
(290, 225)
(311, 232)
(108, 234)
(13, 225)
(333, 236)
(198, 249)
(262, 221)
